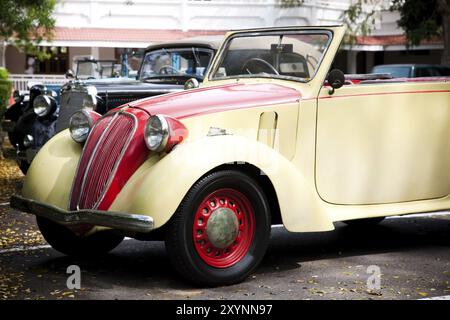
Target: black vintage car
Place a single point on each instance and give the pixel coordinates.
(165, 68)
(30, 121)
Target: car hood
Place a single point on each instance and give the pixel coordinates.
(217, 99)
(130, 85)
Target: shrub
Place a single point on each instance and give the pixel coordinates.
(5, 90)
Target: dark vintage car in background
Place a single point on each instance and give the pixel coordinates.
(412, 70)
(165, 68)
(30, 121)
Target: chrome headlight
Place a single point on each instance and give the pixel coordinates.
(28, 140)
(192, 83)
(80, 125)
(44, 105)
(90, 99)
(156, 133)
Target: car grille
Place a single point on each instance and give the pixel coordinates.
(101, 155)
(71, 102)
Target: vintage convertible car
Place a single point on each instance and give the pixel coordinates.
(272, 136)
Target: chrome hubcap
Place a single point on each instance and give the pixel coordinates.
(222, 228)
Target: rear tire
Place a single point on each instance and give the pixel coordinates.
(221, 230)
(65, 241)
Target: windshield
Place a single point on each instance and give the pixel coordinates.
(291, 55)
(91, 69)
(188, 62)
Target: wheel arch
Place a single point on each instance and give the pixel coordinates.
(263, 181)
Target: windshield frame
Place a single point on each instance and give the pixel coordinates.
(211, 51)
(224, 49)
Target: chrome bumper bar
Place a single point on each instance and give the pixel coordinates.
(115, 220)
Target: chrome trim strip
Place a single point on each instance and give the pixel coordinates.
(115, 220)
(92, 156)
(119, 159)
(89, 162)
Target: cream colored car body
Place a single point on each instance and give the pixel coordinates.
(367, 150)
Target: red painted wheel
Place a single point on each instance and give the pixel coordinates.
(223, 228)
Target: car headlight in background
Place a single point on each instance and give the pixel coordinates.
(90, 99)
(28, 141)
(81, 123)
(163, 133)
(43, 105)
(192, 83)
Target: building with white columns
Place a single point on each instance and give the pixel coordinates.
(104, 28)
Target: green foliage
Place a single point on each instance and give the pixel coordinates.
(360, 18)
(5, 90)
(26, 23)
(420, 19)
(290, 3)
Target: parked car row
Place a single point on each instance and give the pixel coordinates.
(37, 117)
(413, 70)
(272, 135)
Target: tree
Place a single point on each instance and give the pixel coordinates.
(24, 24)
(420, 19)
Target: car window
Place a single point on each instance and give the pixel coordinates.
(425, 72)
(443, 71)
(294, 55)
(395, 71)
(175, 62)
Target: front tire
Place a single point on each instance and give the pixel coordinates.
(67, 242)
(221, 230)
(24, 166)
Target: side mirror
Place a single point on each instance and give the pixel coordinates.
(69, 74)
(336, 79)
(192, 83)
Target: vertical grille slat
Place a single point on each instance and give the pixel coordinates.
(71, 101)
(101, 154)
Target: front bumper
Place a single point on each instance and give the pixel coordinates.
(115, 220)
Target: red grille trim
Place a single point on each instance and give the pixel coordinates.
(101, 156)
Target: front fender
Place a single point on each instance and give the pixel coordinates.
(160, 184)
(50, 176)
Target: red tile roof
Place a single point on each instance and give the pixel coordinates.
(393, 40)
(161, 35)
(127, 35)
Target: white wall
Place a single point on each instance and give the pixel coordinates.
(204, 14)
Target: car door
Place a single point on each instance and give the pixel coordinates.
(383, 143)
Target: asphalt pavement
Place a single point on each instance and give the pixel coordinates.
(409, 256)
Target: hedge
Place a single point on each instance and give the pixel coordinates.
(5, 90)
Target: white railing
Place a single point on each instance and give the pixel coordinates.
(23, 82)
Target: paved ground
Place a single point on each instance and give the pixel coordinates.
(412, 255)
